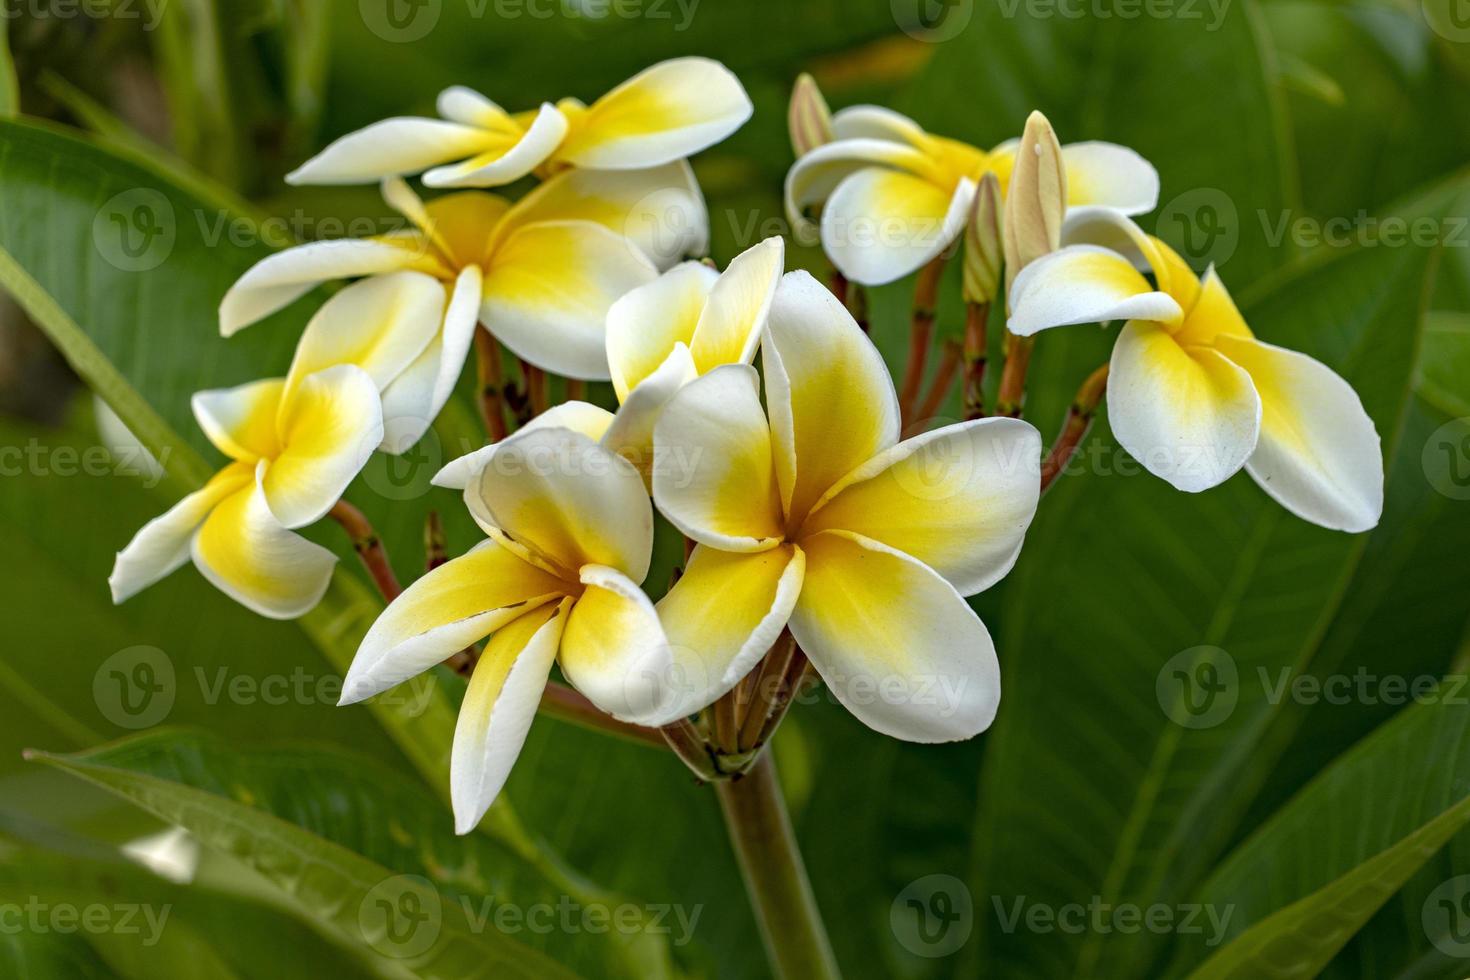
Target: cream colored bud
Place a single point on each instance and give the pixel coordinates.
(1037, 200)
(983, 249)
(808, 117)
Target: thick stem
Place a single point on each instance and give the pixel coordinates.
(839, 287)
(775, 877)
(797, 671)
(369, 548)
(691, 748)
(769, 675)
(976, 317)
(1074, 430)
(921, 333)
(536, 388)
(492, 384)
(944, 375)
(576, 390)
(1012, 393)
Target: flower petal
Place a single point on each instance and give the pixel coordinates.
(1189, 415)
(329, 429)
(279, 280)
(590, 420)
(1115, 231)
(631, 432)
(456, 604)
(500, 165)
(721, 617)
(669, 111)
(1319, 455)
(1110, 175)
(381, 324)
(830, 397)
(241, 421)
(162, 545)
(570, 499)
(879, 123)
(730, 327)
(894, 641)
(415, 397)
(661, 209)
(646, 323)
(816, 175)
(1084, 284)
(1214, 314)
(393, 147)
(880, 225)
(614, 650)
(498, 708)
(959, 499)
(713, 473)
(245, 553)
(548, 290)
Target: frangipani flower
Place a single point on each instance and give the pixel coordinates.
(817, 516)
(896, 196)
(539, 274)
(1192, 394)
(660, 337)
(570, 532)
(665, 113)
(292, 457)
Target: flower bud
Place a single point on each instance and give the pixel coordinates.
(983, 249)
(808, 117)
(1037, 201)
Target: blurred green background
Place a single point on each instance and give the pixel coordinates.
(1285, 131)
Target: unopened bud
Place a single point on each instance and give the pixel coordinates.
(808, 117)
(983, 250)
(1037, 201)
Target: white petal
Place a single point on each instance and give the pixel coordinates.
(880, 225)
(1189, 415)
(1110, 175)
(1084, 284)
(894, 641)
(614, 650)
(329, 429)
(416, 397)
(162, 545)
(498, 709)
(591, 420)
(461, 104)
(404, 145)
(241, 421)
(646, 323)
(245, 553)
(495, 169)
(730, 327)
(879, 123)
(631, 432)
(275, 282)
(1319, 455)
(816, 175)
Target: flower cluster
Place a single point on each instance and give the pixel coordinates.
(809, 517)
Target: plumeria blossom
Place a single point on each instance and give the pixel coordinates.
(570, 533)
(293, 451)
(1192, 394)
(540, 274)
(811, 513)
(665, 113)
(660, 337)
(893, 196)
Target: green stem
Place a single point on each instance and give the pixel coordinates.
(775, 877)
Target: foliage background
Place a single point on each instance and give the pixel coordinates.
(1254, 111)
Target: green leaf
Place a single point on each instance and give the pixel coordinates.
(401, 916)
(1139, 795)
(9, 86)
(1304, 883)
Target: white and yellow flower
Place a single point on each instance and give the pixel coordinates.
(665, 113)
(570, 532)
(893, 196)
(540, 274)
(660, 337)
(1192, 394)
(293, 454)
(817, 516)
